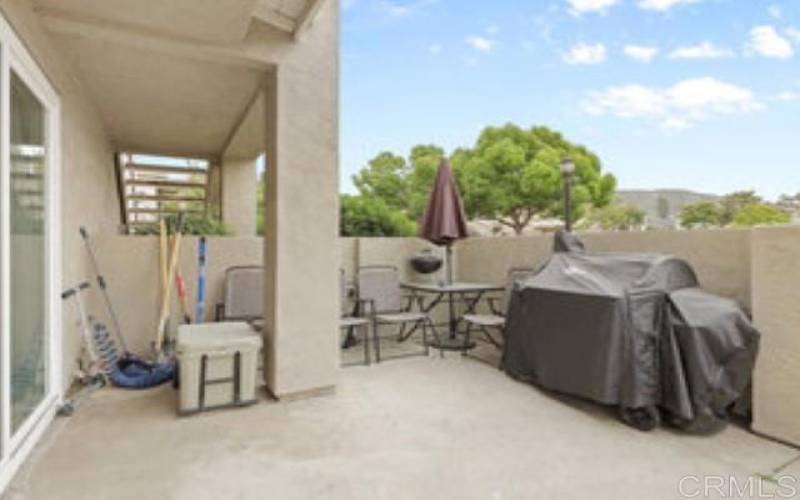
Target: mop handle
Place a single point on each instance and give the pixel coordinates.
(101, 282)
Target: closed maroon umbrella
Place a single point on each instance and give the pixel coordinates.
(444, 222)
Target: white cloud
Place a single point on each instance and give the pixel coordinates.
(675, 124)
(766, 40)
(789, 95)
(480, 43)
(578, 7)
(641, 53)
(397, 9)
(676, 107)
(794, 34)
(775, 11)
(705, 50)
(586, 54)
(435, 48)
(663, 5)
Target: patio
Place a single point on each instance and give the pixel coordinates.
(454, 428)
(240, 80)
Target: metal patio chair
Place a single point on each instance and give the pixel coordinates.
(498, 307)
(243, 298)
(381, 295)
(351, 319)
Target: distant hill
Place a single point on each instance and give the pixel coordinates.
(675, 200)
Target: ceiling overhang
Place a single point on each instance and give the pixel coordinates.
(170, 77)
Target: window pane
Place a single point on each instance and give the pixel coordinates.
(28, 265)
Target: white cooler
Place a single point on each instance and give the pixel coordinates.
(217, 366)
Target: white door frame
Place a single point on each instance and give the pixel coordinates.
(15, 448)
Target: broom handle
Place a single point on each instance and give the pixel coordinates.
(173, 264)
(164, 251)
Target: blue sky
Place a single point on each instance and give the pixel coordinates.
(697, 94)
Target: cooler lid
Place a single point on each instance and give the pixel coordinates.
(216, 336)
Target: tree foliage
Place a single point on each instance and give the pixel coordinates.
(704, 214)
(372, 217)
(734, 202)
(760, 214)
(510, 175)
(615, 217)
(385, 178)
(513, 174)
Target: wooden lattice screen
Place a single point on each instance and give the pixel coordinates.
(152, 188)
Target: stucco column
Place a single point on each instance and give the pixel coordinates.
(776, 382)
(239, 179)
(301, 230)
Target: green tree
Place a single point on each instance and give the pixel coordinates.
(372, 217)
(424, 163)
(703, 214)
(386, 178)
(615, 217)
(512, 175)
(760, 214)
(732, 203)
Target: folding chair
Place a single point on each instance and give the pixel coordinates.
(380, 293)
(496, 319)
(350, 320)
(243, 296)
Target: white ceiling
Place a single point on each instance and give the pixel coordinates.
(159, 103)
(290, 8)
(154, 97)
(209, 20)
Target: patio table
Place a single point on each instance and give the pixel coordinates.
(468, 293)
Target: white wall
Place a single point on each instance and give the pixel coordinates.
(88, 191)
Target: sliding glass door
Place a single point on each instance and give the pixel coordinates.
(29, 346)
(30, 281)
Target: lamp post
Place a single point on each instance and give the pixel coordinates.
(567, 171)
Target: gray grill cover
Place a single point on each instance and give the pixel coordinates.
(631, 330)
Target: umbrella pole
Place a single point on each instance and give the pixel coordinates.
(449, 276)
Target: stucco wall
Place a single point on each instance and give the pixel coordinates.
(239, 180)
(720, 258)
(131, 267)
(301, 213)
(776, 309)
(88, 192)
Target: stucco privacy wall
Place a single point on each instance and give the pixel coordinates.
(88, 194)
(131, 266)
(776, 308)
(720, 258)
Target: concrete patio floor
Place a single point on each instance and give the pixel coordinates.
(413, 428)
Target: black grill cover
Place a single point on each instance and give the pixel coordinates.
(633, 331)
